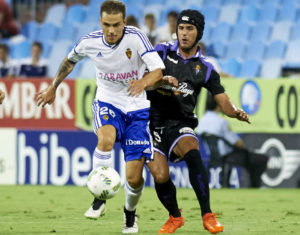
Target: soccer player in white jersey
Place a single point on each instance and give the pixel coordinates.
(121, 111)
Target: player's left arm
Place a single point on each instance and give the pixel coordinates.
(153, 62)
(228, 108)
(136, 87)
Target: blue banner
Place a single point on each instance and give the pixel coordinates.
(65, 157)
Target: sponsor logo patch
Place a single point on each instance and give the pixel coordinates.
(186, 130)
(137, 142)
(197, 68)
(105, 117)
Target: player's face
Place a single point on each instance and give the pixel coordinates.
(112, 26)
(187, 34)
(3, 54)
(36, 52)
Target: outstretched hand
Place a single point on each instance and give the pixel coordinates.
(169, 80)
(46, 96)
(242, 116)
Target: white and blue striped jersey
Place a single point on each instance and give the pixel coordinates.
(117, 64)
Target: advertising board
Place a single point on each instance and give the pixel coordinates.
(19, 109)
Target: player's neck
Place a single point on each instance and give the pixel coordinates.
(187, 53)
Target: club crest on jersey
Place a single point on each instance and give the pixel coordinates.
(105, 117)
(197, 68)
(128, 53)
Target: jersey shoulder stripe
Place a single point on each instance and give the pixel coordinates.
(134, 30)
(142, 37)
(96, 34)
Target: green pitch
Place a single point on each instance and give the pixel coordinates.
(59, 210)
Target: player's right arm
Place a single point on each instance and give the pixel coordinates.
(2, 96)
(47, 96)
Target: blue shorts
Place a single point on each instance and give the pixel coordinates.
(132, 129)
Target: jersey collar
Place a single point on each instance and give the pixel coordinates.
(175, 47)
(113, 45)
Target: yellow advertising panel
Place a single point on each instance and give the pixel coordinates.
(273, 105)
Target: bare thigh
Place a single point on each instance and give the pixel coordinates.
(159, 168)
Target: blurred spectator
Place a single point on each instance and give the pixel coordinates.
(34, 66)
(213, 61)
(132, 21)
(150, 28)
(167, 32)
(8, 26)
(7, 65)
(230, 146)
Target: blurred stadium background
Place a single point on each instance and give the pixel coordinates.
(257, 42)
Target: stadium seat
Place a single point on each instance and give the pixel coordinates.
(136, 11)
(281, 31)
(229, 13)
(293, 52)
(255, 50)
(21, 50)
(164, 13)
(238, 2)
(206, 34)
(97, 3)
(86, 28)
(276, 50)
(47, 32)
(260, 32)
(211, 14)
(221, 32)
(271, 68)
(67, 32)
(231, 66)
(268, 13)
(250, 69)
(240, 32)
(271, 2)
(59, 51)
(150, 2)
(169, 3)
(56, 14)
(295, 32)
(216, 3)
(288, 12)
(254, 2)
(153, 9)
(92, 15)
(249, 14)
(235, 50)
(47, 47)
(87, 70)
(197, 7)
(140, 2)
(219, 49)
(30, 30)
(75, 14)
(199, 4)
